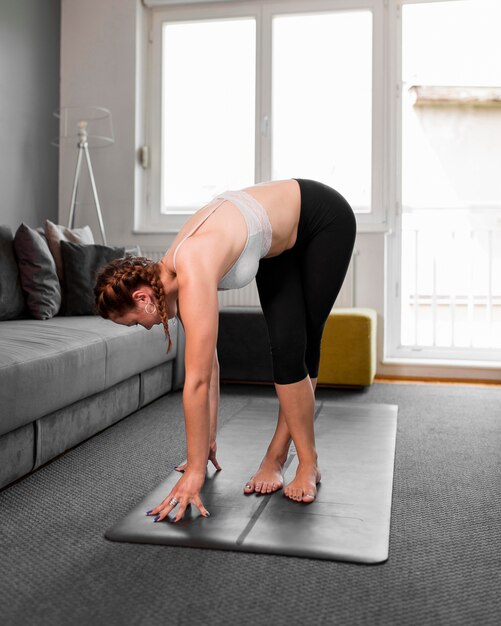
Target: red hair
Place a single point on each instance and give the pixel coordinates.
(117, 281)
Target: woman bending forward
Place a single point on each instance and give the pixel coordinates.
(296, 238)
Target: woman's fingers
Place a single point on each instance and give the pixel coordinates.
(215, 462)
(182, 506)
(185, 492)
(158, 509)
(163, 509)
(198, 503)
(212, 455)
(212, 458)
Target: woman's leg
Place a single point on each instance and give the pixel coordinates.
(295, 423)
(332, 253)
(280, 290)
(269, 476)
(297, 401)
(297, 291)
(324, 265)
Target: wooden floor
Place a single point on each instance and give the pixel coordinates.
(437, 381)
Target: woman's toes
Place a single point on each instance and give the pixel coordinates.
(267, 479)
(249, 487)
(298, 495)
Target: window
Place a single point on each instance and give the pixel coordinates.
(247, 92)
(321, 105)
(447, 241)
(395, 103)
(208, 110)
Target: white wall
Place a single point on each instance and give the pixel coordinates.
(98, 67)
(102, 54)
(29, 86)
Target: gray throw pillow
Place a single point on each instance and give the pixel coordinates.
(37, 271)
(56, 233)
(11, 294)
(80, 264)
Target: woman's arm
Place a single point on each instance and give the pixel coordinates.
(198, 307)
(214, 411)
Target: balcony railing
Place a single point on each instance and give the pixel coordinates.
(451, 281)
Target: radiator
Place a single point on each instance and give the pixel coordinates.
(248, 296)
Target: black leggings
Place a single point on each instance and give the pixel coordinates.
(298, 288)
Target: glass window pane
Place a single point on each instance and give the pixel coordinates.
(208, 110)
(322, 101)
(451, 196)
(450, 147)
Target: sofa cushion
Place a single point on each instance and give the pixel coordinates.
(47, 365)
(56, 233)
(11, 294)
(81, 264)
(37, 272)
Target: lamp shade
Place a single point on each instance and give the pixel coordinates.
(96, 121)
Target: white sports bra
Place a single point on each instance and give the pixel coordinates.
(258, 242)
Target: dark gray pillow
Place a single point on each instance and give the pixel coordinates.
(81, 263)
(11, 294)
(55, 233)
(37, 272)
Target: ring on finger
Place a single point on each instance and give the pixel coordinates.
(173, 502)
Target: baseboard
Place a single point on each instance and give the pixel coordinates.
(429, 380)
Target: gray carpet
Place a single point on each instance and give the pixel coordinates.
(56, 567)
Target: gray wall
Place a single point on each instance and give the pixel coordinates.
(29, 93)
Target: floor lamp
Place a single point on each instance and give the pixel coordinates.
(92, 127)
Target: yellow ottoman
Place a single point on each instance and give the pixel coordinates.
(348, 352)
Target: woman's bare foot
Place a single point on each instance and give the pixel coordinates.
(267, 479)
(304, 486)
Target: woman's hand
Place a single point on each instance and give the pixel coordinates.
(212, 458)
(185, 492)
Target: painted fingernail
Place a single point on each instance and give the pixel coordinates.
(157, 518)
(149, 512)
(207, 514)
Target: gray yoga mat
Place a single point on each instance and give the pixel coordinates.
(349, 520)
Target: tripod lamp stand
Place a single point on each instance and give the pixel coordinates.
(92, 128)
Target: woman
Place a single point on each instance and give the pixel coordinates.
(296, 237)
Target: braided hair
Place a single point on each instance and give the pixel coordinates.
(116, 282)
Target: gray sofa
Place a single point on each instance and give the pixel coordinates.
(65, 378)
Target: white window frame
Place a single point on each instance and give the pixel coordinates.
(394, 352)
(148, 216)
